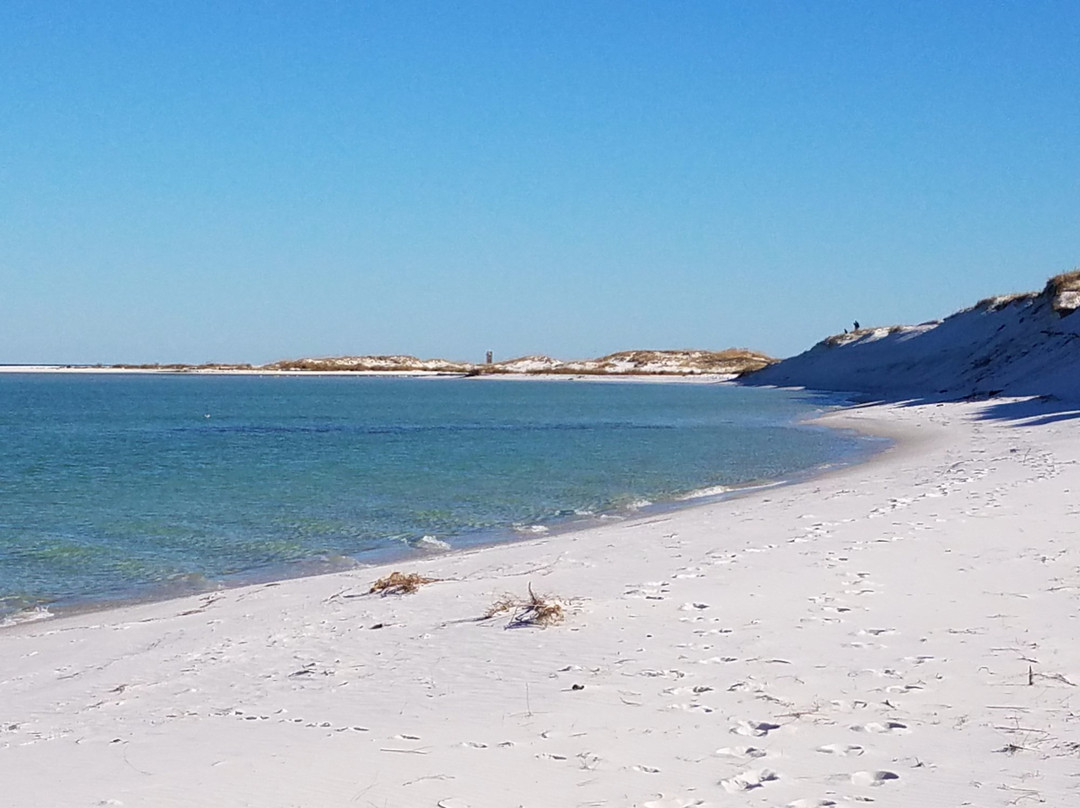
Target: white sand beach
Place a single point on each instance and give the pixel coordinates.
(898, 633)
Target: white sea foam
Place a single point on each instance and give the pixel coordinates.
(26, 616)
(711, 491)
(536, 529)
(430, 544)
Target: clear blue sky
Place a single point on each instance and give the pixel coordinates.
(207, 181)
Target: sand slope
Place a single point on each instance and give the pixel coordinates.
(901, 633)
(1022, 345)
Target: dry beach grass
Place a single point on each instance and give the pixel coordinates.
(534, 610)
(397, 583)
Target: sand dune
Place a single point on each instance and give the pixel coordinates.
(1019, 345)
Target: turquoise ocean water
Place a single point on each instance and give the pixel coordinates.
(115, 487)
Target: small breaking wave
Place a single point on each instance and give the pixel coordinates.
(26, 616)
(430, 544)
(711, 491)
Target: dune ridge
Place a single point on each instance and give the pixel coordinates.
(1024, 344)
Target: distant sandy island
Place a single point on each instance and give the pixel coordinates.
(90, 370)
(900, 633)
(728, 364)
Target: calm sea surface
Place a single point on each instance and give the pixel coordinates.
(116, 487)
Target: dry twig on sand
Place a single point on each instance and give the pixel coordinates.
(535, 610)
(398, 584)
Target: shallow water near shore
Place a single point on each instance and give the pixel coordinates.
(124, 487)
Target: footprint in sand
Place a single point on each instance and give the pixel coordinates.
(650, 590)
(700, 646)
(881, 673)
(654, 674)
(701, 632)
(875, 778)
(644, 593)
(755, 778)
(921, 658)
(717, 660)
(689, 607)
(755, 729)
(742, 752)
(878, 727)
(320, 725)
(826, 620)
(549, 756)
(747, 687)
(696, 690)
(903, 688)
(848, 706)
(842, 749)
(704, 708)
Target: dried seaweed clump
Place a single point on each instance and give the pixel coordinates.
(398, 584)
(534, 610)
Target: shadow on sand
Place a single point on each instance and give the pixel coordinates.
(1031, 411)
